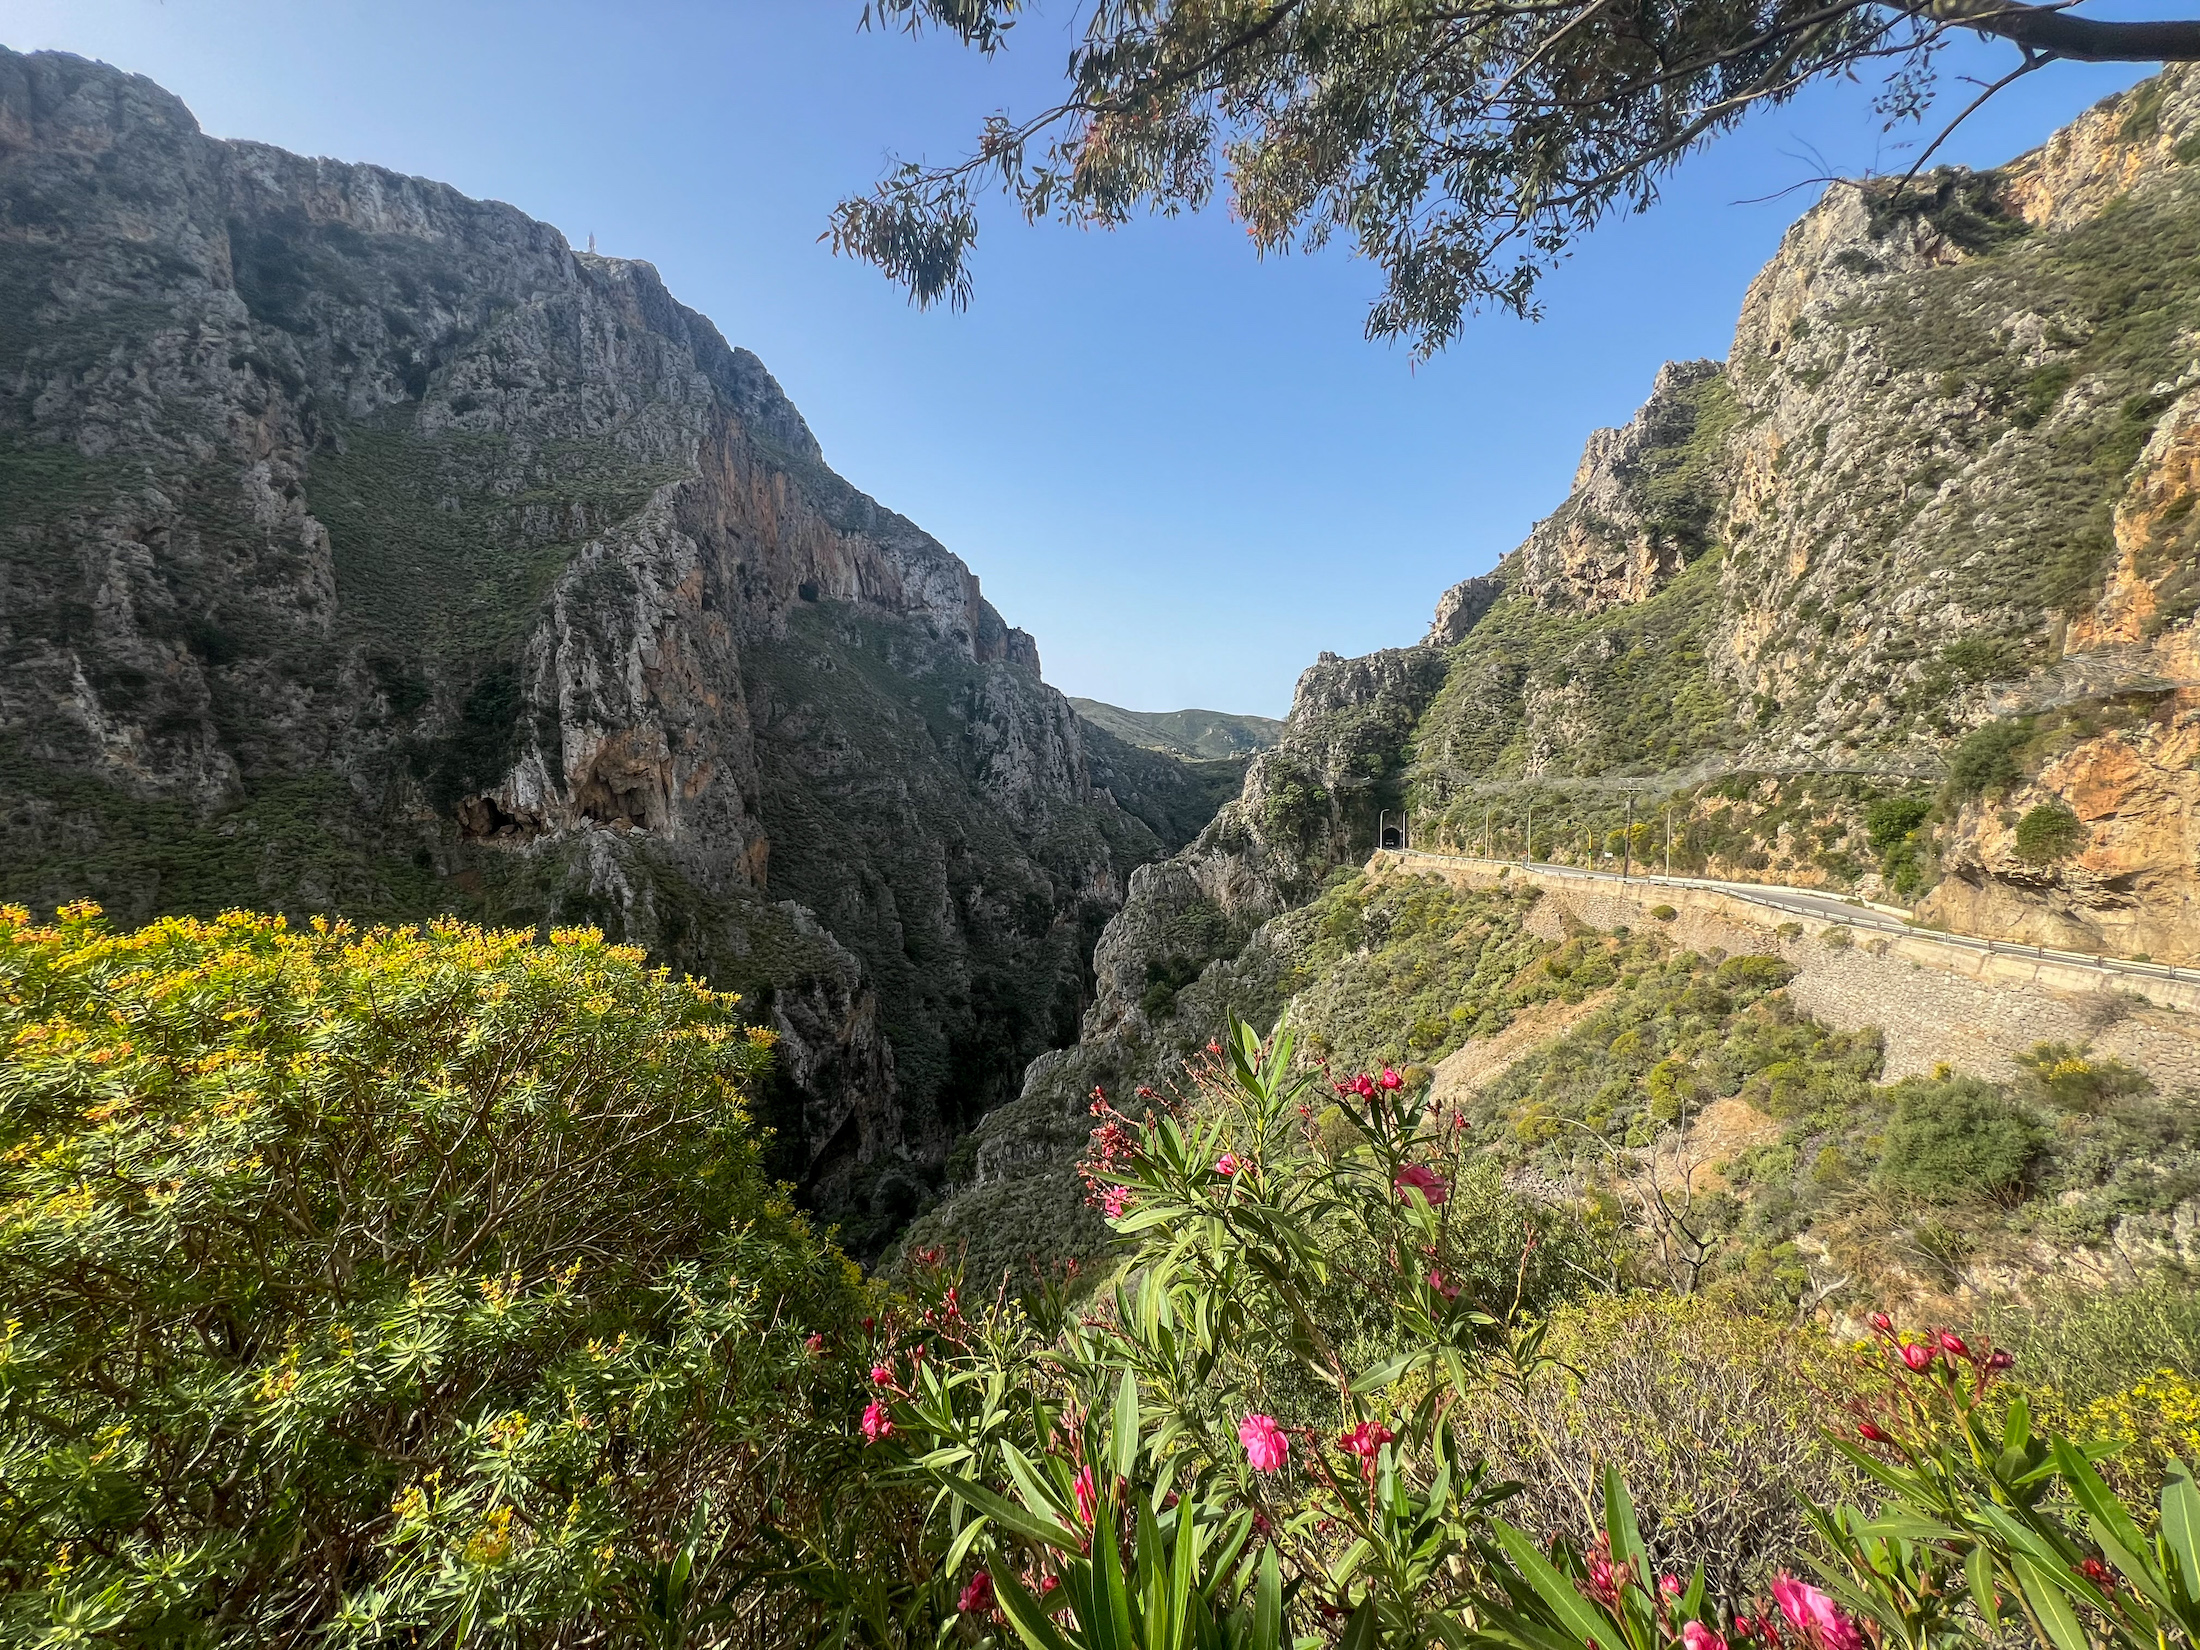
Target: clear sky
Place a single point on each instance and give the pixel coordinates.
(1183, 469)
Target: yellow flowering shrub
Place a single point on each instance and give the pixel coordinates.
(2162, 1410)
(2156, 1419)
(382, 1281)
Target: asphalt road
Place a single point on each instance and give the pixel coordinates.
(1824, 907)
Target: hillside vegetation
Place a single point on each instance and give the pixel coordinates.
(421, 1285)
(1202, 734)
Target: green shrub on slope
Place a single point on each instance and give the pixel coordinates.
(1393, 970)
(1956, 1140)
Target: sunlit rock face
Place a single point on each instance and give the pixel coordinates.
(1942, 490)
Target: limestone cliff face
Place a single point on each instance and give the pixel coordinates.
(367, 548)
(1618, 537)
(2127, 883)
(1940, 485)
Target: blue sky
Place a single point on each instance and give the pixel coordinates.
(1183, 469)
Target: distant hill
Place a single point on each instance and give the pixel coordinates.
(1206, 734)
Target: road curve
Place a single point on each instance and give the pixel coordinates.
(1824, 907)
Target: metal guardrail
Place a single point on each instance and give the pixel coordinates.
(1887, 919)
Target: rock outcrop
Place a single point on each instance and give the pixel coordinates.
(1940, 485)
(369, 550)
(1915, 562)
(1624, 530)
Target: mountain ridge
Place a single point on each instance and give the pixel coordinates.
(1197, 734)
(373, 552)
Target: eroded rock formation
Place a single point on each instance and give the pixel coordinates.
(370, 550)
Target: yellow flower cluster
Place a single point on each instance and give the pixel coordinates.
(2162, 1411)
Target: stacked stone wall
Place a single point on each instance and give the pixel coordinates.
(1934, 1003)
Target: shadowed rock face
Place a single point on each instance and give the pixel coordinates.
(369, 550)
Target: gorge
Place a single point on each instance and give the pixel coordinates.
(372, 553)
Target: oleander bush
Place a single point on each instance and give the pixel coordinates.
(1139, 1476)
(400, 1286)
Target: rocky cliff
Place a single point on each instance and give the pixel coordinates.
(368, 550)
(1897, 599)
(1921, 543)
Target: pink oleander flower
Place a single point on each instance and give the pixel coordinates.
(1871, 1434)
(815, 1343)
(1883, 1323)
(1229, 1163)
(1366, 1438)
(882, 1374)
(1114, 1201)
(1421, 1178)
(1606, 1579)
(1952, 1344)
(877, 1424)
(1364, 1086)
(1815, 1615)
(1266, 1448)
(1919, 1357)
(1670, 1586)
(1390, 1079)
(1450, 1291)
(977, 1596)
(1088, 1498)
(1696, 1636)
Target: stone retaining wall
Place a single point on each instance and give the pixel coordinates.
(1934, 1003)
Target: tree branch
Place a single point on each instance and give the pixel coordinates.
(2054, 30)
